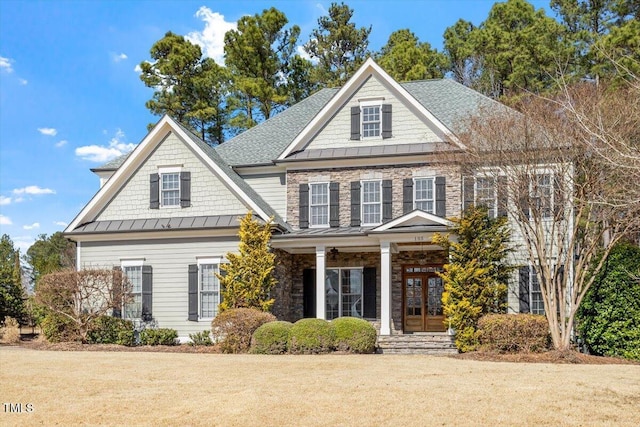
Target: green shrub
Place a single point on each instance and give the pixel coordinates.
(10, 331)
(58, 328)
(233, 328)
(126, 337)
(160, 336)
(513, 333)
(201, 338)
(311, 336)
(107, 330)
(271, 338)
(609, 317)
(354, 335)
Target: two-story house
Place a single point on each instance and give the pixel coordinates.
(355, 179)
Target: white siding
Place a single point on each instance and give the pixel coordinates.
(170, 261)
(209, 195)
(272, 188)
(407, 128)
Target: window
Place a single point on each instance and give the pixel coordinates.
(319, 204)
(486, 194)
(371, 203)
(208, 291)
(133, 309)
(170, 189)
(344, 292)
(530, 292)
(371, 121)
(424, 194)
(542, 195)
(535, 294)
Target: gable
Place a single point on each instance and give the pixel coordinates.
(209, 195)
(407, 127)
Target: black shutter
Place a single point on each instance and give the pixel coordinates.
(154, 191)
(303, 201)
(407, 195)
(185, 189)
(386, 121)
(467, 192)
(441, 196)
(355, 123)
(387, 200)
(147, 281)
(116, 283)
(502, 196)
(524, 290)
(193, 292)
(309, 292)
(370, 293)
(334, 204)
(355, 203)
(223, 274)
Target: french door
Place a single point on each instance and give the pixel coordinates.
(422, 299)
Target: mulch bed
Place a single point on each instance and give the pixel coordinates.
(553, 356)
(566, 357)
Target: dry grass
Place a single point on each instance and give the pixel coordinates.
(138, 388)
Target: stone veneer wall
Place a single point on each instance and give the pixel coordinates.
(345, 176)
(288, 293)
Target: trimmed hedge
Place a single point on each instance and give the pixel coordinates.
(271, 338)
(160, 336)
(57, 328)
(513, 333)
(111, 330)
(354, 335)
(311, 336)
(233, 328)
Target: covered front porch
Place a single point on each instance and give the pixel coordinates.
(385, 274)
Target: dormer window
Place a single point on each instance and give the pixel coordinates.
(371, 121)
(170, 188)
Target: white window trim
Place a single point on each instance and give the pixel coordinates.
(340, 288)
(328, 205)
(433, 192)
(164, 170)
(495, 192)
(532, 274)
(362, 202)
(207, 261)
(131, 262)
(371, 103)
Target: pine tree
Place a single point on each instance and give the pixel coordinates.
(475, 280)
(247, 279)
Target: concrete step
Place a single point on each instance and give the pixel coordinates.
(417, 343)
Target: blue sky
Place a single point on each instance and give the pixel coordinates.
(71, 98)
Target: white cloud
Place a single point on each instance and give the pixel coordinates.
(211, 39)
(23, 82)
(32, 226)
(137, 68)
(5, 220)
(104, 153)
(5, 64)
(34, 190)
(119, 57)
(23, 243)
(61, 143)
(5, 200)
(60, 223)
(48, 131)
(304, 55)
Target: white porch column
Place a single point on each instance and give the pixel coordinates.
(320, 274)
(385, 288)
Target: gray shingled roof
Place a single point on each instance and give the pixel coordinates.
(213, 155)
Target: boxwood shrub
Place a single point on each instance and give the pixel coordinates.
(111, 330)
(271, 338)
(160, 336)
(513, 333)
(311, 336)
(233, 328)
(354, 335)
(58, 328)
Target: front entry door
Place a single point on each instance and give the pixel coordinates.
(422, 300)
